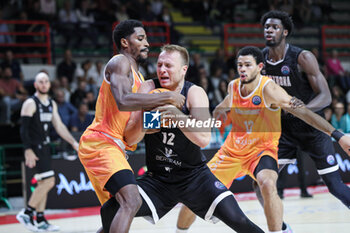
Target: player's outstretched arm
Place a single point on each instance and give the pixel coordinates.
(61, 129)
(309, 65)
(225, 105)
(117, 72)
(134, 132)
(275, 96)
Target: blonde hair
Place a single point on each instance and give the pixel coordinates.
(183, 52)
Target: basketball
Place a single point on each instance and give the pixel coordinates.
(158, 90)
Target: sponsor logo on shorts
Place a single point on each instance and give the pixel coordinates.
(330, 160)
(151, 120)
(285, 70)
(219, 185)
(256, 100)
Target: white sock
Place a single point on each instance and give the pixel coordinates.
(183, 231)
(275, 231)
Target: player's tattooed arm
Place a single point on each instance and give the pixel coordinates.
(318, 83)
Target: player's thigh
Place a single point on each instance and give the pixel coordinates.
(225, 167)
(157, 197)
(203, 194)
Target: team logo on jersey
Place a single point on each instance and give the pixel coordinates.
(219, 185)
(256, 100)
(285, 70)
(151, 120)
(330, 160)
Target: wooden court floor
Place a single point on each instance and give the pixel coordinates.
(321, 214)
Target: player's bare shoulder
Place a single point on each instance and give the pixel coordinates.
(117, 64)
(28, 107)
(197, 97)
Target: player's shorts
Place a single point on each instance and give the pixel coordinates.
(227, 167)
(201, 193)
(102, 156)
(296, 133)
(44, 164)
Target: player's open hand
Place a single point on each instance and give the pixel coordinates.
(344, 142)
(220, 114)
(30, 157)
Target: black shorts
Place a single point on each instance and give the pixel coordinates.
(44, 164)
(296, 133)
(201, 193)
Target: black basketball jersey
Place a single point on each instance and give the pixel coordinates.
(286, 74)
(169, 153)
(41, 122)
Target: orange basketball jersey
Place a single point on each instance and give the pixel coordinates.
(256, 128)
(108, 118)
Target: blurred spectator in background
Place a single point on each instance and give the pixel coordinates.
(79, 95)
(67, 67)
(157, 6)
(65, 88)
(23, 38)
(218, 61)
(82, 119)
(12, 92)
(347, 119)
(97, 73)
(121, 13)
(337, 95)
(86, 27)
(221, 91)
(48, 10)
(196, 63)
(67, 22)
(65, 109)
(91, 101)
(86, 73)
(231, 75)
(216, 77)
(338, 120)
(14, 65)
(328, 112)
(335, 69)
(4, 29)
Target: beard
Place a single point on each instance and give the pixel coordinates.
(141, 60)
(43, 92)
(248, 81)
(274, 43)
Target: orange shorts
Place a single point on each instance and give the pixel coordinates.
(227, 167)
(101, 157)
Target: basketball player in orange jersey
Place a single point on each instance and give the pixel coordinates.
(251, 147)
(102, 147)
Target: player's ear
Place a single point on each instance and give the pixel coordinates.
(285, 32)
(261, 65)
(124, 43)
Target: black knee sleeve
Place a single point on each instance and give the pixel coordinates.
(229, 212)
(337, 187)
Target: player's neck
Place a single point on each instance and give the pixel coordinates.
(42, 97)
(178, 87)
(277, 53)
(248, 88)
(132, 61)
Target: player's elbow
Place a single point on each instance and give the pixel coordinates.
(204, 141)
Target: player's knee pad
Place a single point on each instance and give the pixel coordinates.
(108, 211)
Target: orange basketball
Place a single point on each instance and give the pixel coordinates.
(158, 90)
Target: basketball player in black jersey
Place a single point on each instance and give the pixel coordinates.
(177, 170)
(282, 63)
(39, 113)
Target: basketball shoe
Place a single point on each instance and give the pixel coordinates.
(27, 221)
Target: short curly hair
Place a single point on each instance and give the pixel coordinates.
(286, 20)
(124, 29)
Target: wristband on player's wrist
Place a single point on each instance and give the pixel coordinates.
(336, 134)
